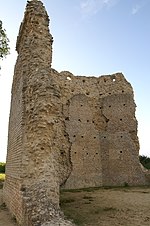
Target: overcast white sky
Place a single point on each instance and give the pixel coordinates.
(91, 37)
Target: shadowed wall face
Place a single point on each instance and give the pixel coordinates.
(85, 149)
(99, 115)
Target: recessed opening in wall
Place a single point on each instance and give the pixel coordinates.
(87, 153)
(82, 136)
(79, 120)
(122, 91)
(100, 107)
(94, 137)
(74, 135)
(96, 153)
(42, 148)
(124, 104)
(104, 80)
(87, 93)
(62, 152)
(83, 80)
(65, 135)
(81, 105)
(93, 121)
(107, 120)
(72, 90)
(100, 94)
(109, 93)
(120, 151)
(109, 106)
(68, 78)
(75, 152)
(67, 118)
(87, 120)
(104, 137)
(121, 136)
(120, 119)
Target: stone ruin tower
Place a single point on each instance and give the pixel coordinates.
(64, 130)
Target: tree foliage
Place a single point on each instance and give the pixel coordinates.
(4, 42)
(2, 167)
(145, 161)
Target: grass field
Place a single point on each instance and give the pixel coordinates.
(2, 176)
(110, 206)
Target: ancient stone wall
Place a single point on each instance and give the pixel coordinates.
(65, 131)
(99, 114)
(13, 180)
(33, 172)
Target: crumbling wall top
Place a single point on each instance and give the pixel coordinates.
(35, 14)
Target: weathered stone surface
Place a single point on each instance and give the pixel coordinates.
(58, 222)
(64, 131)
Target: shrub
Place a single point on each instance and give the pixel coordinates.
(2, 167)
(145, 161)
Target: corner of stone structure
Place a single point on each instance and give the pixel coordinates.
(32, 31)
(31, 190)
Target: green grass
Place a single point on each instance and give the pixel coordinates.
(66, 200)
(87, 197)
(102, 209)
(2, 177)
(90, 189)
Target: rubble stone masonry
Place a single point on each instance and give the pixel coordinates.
(65, 131)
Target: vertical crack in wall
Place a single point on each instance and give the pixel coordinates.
(65, 116)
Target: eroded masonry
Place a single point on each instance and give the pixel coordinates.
(64, 130)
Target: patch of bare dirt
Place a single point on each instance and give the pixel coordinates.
(5, 218)
(107, 207)
(100, 207)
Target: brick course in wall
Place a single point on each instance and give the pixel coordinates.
(65, 131)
